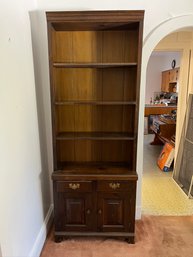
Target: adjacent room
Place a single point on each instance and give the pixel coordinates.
(161, 195)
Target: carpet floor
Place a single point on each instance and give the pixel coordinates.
(156, 236)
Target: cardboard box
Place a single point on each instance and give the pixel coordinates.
(166, 157)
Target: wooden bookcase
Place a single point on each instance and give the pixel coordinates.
(95, 59)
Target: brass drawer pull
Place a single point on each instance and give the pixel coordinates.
(74, 186)
(114, 185)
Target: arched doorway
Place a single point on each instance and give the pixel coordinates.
(151, 40)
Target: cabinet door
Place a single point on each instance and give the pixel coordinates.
(174, 75)
(165, 81)
(73, 209)
(115, 213)
(73, 212)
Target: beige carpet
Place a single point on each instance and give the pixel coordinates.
(156, 236)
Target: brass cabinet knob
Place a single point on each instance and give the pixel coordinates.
(99, 211)
(114, 185)
(74, 186)
(88, 211)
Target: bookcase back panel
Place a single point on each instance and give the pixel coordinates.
(128, 124)
(65, 151)
(91, 118)
(131, 46)
(116, 151)
(63, 84)
(87, 151)
(80, 151)
(109, 84)
(61, 46)
(113, 84)
(95, 46)
(64, 118)
(118, 118)
(87, 118)
(130, 82)
(77, 84)
(113, 46)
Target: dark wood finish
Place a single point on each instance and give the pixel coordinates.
(77, 206)
(113, 212)
(95, 136)
(94, 151)
(95, 20)
(96, 171)
(96, 102)
(113, 208)
(95, 62)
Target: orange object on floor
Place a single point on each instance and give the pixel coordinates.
(166, 157)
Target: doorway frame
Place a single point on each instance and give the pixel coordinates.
(149, 43)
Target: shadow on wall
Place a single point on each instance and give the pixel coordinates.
(43, 109)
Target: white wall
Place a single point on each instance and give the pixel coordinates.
(158, 62)
(155, 11)
(24, 187)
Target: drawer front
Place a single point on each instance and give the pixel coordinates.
(114, 186)
(74, 186)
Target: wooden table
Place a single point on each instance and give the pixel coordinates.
(158, 109)
(167, 129)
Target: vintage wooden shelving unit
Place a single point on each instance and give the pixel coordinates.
(95, 60)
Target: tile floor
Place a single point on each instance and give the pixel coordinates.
(160, 193)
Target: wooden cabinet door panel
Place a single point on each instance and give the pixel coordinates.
(165, 81)
(114, 210)
(73, 212)
(174, 74)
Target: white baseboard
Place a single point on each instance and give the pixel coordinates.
(138, 213)
(0, 252)
(39, 242)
